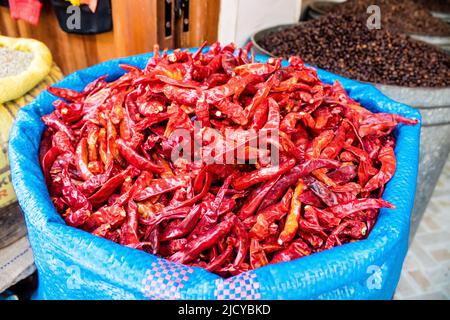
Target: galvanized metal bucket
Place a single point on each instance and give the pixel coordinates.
(442, 15)
(434, 105)
(258, 36)
(319, 8)
(441, 42)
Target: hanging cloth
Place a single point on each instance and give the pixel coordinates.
(26, 10)
(92, 4)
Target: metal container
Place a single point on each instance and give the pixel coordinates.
(258, 36)
(320, 8)
(434, 105)
(442, 15)
(311, 14)
(441, 42)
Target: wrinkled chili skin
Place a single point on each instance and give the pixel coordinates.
(255, 199)
(387, 158)
(291, 225)
(296, 249)
(205, 241)
(111, 185)
(249, 179)
(160, 186)
(289, 179)
(135, 159)
(269, 215)
(183, 228)
(287, 166)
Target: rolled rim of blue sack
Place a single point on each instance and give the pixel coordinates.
(366, 269)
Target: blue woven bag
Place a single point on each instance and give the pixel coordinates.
(73, 264)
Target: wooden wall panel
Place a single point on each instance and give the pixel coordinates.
(137, 26)
(203, 23)
(163, 40)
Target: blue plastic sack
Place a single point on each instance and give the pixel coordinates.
(73, 264)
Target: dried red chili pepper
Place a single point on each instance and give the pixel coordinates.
(129, 230)
(343, 174)
(255, 199)
(258, 257)
(47, 162)
(322, 191)
(184, 227)
(269, 215)
(211, 215)
(144, 179)
(71, 195)
(249, 179)
(170, 247)
(342, 210)
(66, 94)
(52, 121)
(291, 225)
(82, 159)
(160, 186)
(219, 260)
(358, 230)
(70, 112)
(296, 249)
(387, 170)
(326, 219)
(111, 185)
(88, 187)
(135, 159)
(309, 197)
(203, 242)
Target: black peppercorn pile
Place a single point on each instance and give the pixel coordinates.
(406, 16)
(343, 44)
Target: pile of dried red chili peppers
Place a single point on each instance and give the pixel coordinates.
(107, 157)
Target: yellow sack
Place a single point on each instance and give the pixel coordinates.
(7, 195)
(13, 87)
(8, 112)
(11, 225)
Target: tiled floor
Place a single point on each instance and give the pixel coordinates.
(426, 271)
